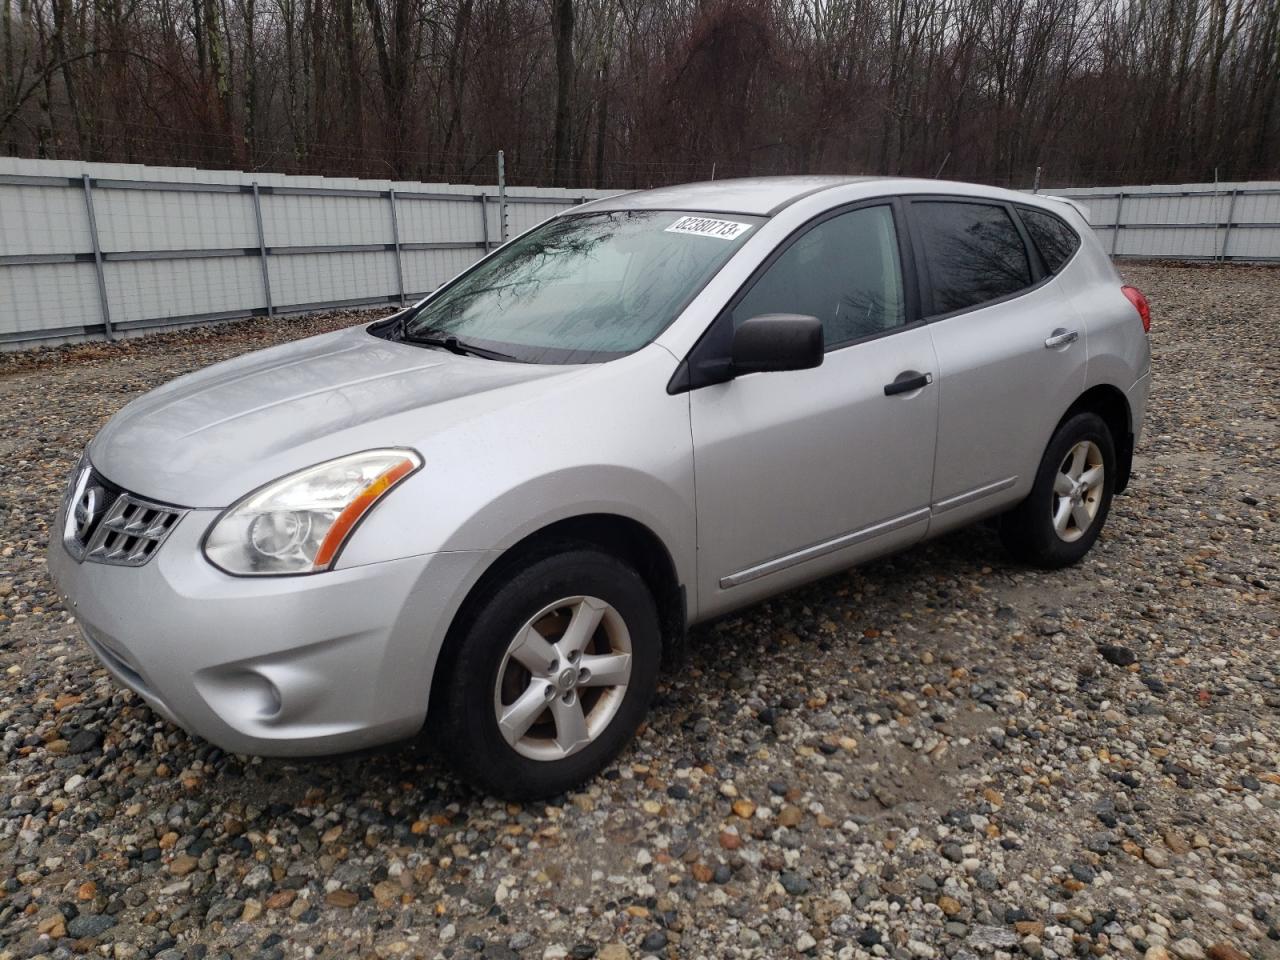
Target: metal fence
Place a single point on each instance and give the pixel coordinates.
(1194, 221)
(94, 250)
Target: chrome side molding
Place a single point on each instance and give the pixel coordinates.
(977, 493)
(823, 548)
(862, 535)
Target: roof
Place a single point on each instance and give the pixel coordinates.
(758, 196)
(766, 196)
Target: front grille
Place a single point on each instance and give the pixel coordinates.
(106, 524)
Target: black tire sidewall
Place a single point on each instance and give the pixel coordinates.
(1029, 529)
(473, 742)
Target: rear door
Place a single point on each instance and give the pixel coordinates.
(1010, 349)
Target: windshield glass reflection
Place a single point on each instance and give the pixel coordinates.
(583, 288)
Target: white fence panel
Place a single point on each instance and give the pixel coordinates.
(37, 299)
(424, 221)
(38, 219)
(142, 290)
(424, 270)
(138, 220)
(1190, 221)
(110, 249)
(89, 250)
(317, 278)
(324, 221)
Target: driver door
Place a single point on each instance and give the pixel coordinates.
(801, 473)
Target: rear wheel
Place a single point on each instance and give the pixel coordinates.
(551, 675)
(1064, 513)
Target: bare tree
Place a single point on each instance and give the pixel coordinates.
(562, 16)
(626, 93)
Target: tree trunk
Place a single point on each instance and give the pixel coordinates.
(393, 68)
(351, 70)
(318, 131)
(562, 32)
(456, 69)
(60, 52)
(288, 13)
(602, 123)
(250, 84)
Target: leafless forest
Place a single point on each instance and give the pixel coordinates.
(625, 93)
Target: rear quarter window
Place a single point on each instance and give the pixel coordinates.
(974, 253)
(1055, 240)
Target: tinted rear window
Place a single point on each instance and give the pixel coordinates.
(974, 251)
(1053, 238)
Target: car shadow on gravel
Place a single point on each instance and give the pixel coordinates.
(746, 640)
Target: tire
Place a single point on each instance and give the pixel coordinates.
(487, 674)
(1033, 531)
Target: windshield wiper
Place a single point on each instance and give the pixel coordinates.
(448, 341)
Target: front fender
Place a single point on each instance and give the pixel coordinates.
(610, 441)
(666, 511)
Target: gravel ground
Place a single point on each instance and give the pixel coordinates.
(938, 755)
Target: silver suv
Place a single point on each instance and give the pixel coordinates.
(484, 517)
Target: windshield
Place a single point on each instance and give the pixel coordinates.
(584, 288)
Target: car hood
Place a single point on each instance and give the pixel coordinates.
(209, 437)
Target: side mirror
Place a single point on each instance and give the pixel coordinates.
(777, 341)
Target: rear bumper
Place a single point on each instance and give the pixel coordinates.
(278, 666)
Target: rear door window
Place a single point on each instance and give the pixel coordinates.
(1053, 238)
(974, 253)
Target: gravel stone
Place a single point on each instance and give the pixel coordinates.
(1119, 656)
(90, 925)
(793, 883)
(941, 726)
(84, 741)
(653, 941)
(991, 938)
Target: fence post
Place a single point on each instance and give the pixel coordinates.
(97, 259)
(395, 239)
(1231, 212)
(484, 219)
(1115, 231)
(502, 195)
(262, 249)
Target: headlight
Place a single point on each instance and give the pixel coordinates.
(299, 523)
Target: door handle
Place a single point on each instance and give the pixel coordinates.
(901, 385)
(1061, 338)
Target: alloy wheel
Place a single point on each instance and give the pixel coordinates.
(563, 678)
(1077, 491)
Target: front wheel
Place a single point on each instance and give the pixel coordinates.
(549, 675)
(1064, 513)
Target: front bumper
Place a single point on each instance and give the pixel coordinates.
(277, 666)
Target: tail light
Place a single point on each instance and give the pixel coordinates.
(1140, 304)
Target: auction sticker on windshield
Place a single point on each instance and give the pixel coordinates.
(707, 227)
